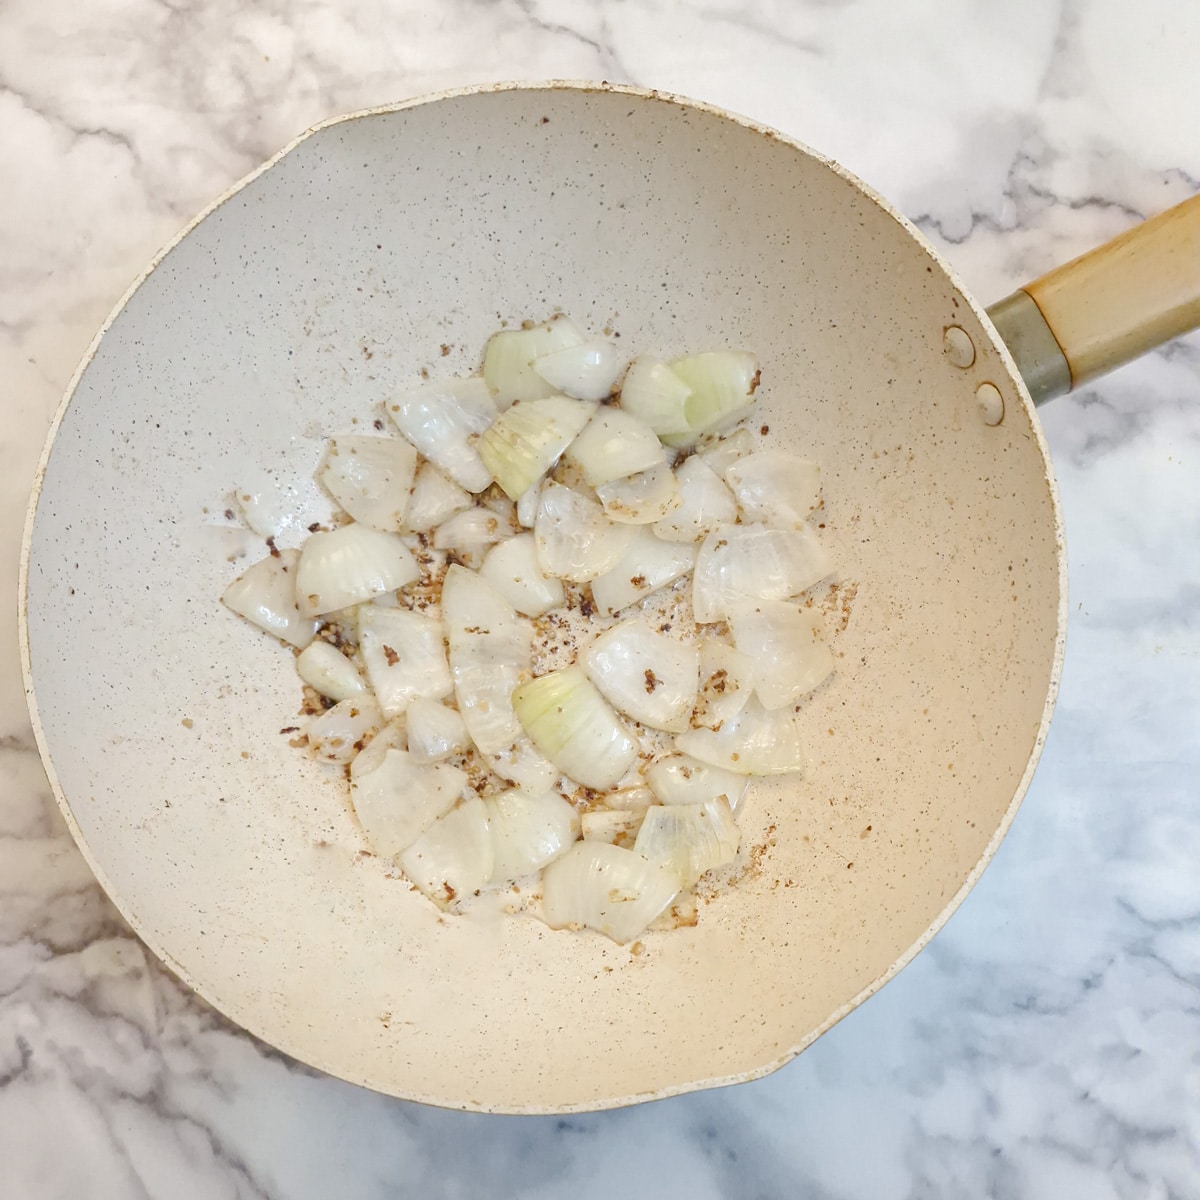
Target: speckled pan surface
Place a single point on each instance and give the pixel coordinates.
(292, 310)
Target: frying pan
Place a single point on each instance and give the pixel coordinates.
(392, 242)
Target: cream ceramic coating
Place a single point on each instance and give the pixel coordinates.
(304, 298)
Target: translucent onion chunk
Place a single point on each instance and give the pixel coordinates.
(775, 488)
(401, 798)
(681, 779)
(758, 741)
(588, 371)
(339, 733)
(453, 857)
(645, 674)
(705, 504)
(435, 731)
(753, 562)
(349, 565)
(527, 440)
(727, 679)
(646, 565)
(329, 671)
(573, 537)
(653, 393)
(435, 499)
(691, 839)
(265, 594)
(614, 826)
(510, 354)
(614, 445)
(512, 569)
(788, 644)
(442, 420)
(371, 478)
(614, 891)
(404, 656)
(643, 498)
(723, 384)
(529, 831)
(572, 724)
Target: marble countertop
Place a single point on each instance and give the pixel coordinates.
(1047, 1043)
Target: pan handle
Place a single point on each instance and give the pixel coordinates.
(1106, 306)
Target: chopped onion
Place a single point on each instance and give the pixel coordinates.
(467, 535)
(453, 857)
(645, 674)
(349, 565)
(510, 355)
(401, 798)
(722, 383)
(527, 506)
(442, 420)
(435, 499)
(371, 478)
(265, 594)
(721, 452)
(340, 732)
(753, 562)
(758, 741)
(615, 445)
(391, 736)
(642, 498)
(690, 838)
(329, 671)
(629, 799)
(611, 825)
(404, 655)
(680, 779)
(512, 569)
(572, 724)
(528, 831)
(615, 891)
(647, 564)
(527, 440)
(573, 537)
(435, 731)
(491, 651)
(775, 488)
(652, 392)
(726, 683)
(787, 643)
(587, 371)
(705, 504)
(267, 503)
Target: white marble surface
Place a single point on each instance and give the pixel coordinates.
(1047, 1044)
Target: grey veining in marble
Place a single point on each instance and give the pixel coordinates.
(1047, 1043)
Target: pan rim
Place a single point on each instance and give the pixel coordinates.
(874, 985)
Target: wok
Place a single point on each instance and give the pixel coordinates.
(328, 279)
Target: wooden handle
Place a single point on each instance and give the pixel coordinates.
(1127, 296)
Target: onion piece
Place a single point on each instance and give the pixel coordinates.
(720, 453)
(723, 384)
(468, 535)
(512, 569)
(645, 674)
(775, 488)
(340, 732)
(705, 504)
(391, 736)
(615, 891)
(491, 651)
(691, 839)
(435, 499)
(453, 857)
(349, 565)
(614, 826)
(268, 504)
(265, 594)
(527, 506)
(371, 478)
(787, 643)
(442, 420)
(509, 357)
(587, 371)
(573, 537)
(527, 440)
(758, 741)
(653, 393)
(528, 831)
(647, 564)
(572, 724)
(629, 799)
(329, 671)
(615, 445)
(435, 731)
(726, 683)
(642, 498)
(753, 562)
(401, 798)
(404, 655)
(681, 779)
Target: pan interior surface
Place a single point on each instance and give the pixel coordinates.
(394, 243)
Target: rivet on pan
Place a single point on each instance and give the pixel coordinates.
(991, 403)
(958, 347)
